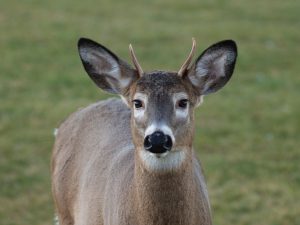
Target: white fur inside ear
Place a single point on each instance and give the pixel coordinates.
(211, 70)
(214, 62)
(211, 63)
(124, 82)
(96, 57)
(102, 63)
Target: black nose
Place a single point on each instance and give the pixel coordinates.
(158, 142)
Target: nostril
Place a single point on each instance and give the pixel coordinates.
(168, 142)
(147, 143)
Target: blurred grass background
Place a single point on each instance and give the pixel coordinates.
(247, 134)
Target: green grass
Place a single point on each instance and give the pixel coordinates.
(247, 134)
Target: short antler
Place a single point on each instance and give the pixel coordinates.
(187, 62)
(135, 61)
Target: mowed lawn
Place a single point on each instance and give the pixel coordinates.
(248, 134)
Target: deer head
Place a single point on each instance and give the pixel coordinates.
(162, 103)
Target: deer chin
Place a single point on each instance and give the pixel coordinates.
(164, 162)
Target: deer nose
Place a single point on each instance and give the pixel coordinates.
(158, 142)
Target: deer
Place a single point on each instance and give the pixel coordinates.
(131, 160)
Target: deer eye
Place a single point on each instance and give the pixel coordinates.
(137, 103)
(182, 103)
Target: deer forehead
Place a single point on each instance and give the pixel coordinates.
(160, 83)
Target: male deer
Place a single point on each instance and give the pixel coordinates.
(133, 163)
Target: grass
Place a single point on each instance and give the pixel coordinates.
(247, 134)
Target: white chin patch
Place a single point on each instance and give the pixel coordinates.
(168, 161)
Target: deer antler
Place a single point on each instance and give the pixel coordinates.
(188, 60)
(135, 61)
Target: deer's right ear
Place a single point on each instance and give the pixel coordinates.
(108, 71)
(214, 67)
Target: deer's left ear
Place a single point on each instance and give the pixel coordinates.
(213, 68)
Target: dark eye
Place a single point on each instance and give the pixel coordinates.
(182, 103)
(137, 103)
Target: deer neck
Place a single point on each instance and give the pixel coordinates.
(165, 198)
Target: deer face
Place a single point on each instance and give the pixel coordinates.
(162, 103)
(162, 112)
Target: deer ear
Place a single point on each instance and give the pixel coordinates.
(213, 68)
(108, 71)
